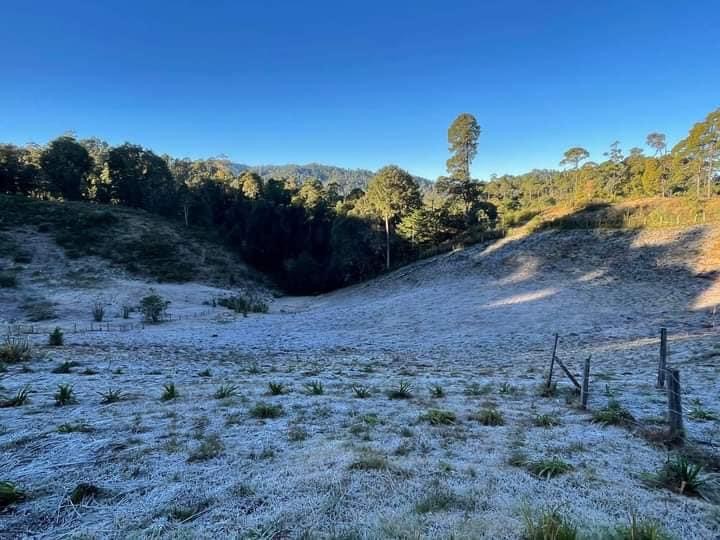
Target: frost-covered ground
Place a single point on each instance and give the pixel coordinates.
(478, 323)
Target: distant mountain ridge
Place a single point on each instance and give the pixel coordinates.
(348, 179)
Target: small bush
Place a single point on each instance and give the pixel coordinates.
(613, 415)
(154, 308)
(549, 525)
(84, 491)
(19, 399)
(360, 391)
(266, 411)
(315, 388)
(111, 396)
(437, 391)
(8, 280)
(489, 417)
(210, 448)
(98, 312)
(549, 468)
(438, 417)
(15, 349)
(65, 395)
(243, 305)
(169, 392)
(225, 391)
(276, 388)
(10, 493)
(56, 338)
(401, 391)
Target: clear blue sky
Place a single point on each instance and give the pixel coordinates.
(359, 84)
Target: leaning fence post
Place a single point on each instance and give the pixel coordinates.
(662, 363)
(552, 362)
(675, 405)
(585, 384)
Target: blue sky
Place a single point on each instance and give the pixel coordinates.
(359, 84)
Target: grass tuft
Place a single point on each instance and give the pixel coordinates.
(437, 391)
(276, 388)
(56, 338)
(438, 417)
(266, 411)
(20, 398)
(111, 396)
(315, 388)
(613, 415)
(489, 417)
(686, 478)
(360, 391)
(549, 468)
(402, 391)
(10, 493)
(225, 391)
(65, 395)
(15, 350)
(548, 525)
(169, 392)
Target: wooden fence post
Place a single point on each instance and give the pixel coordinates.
(675, 418)
(552, 362)
(662, 363)
(585, 384)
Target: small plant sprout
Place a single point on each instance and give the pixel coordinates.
(315, 388)
(65, 395)
(169, 392)
(360, 391)
(225, 391)
(401, 391)
(437, 391)
(56, 338)
(276, 388)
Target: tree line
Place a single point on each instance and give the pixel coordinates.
(312, 237)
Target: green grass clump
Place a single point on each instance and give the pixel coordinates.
(682, 476)
(241, 304)
(225, 391)
(370, 460)
(20, 398)
(169, 392)
(266, 411)
(15, 349)
(489, 417)
(360, 391)
(111, 396)
(10, 493)
(65, 367)
(438, 417)
(315, 388)
(84, 491)
(549, 468)
(276, 388)
(442, 499)
(546, 420)
(75, 427)
(699, 413)
(613, 415)
(56, 338)
(638, 529)
(401, 391)
(437, 391)
(65, 395)
(209, 448)
(548, 525)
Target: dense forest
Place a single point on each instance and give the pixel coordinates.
(314, 234)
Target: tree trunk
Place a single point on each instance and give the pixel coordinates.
(387, 243)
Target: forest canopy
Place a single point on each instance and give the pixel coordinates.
(315, 232)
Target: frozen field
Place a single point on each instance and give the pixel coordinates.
(478, 323)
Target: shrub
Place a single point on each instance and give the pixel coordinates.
(226, 391)
(402, 391)
(15, 349)
(276, 388)
(489, 417)
(549, 525)
(18, 399)
(614, 414)
(169, 392)
(154, 308)
(10, 493)
(111, 396)
(315, 388)
(65, 395)
(360, 391)
(56, 338)
(98, 312)
(8, 280)
(243, 305)
(438, 417)
(266, 411)
(549, 468)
